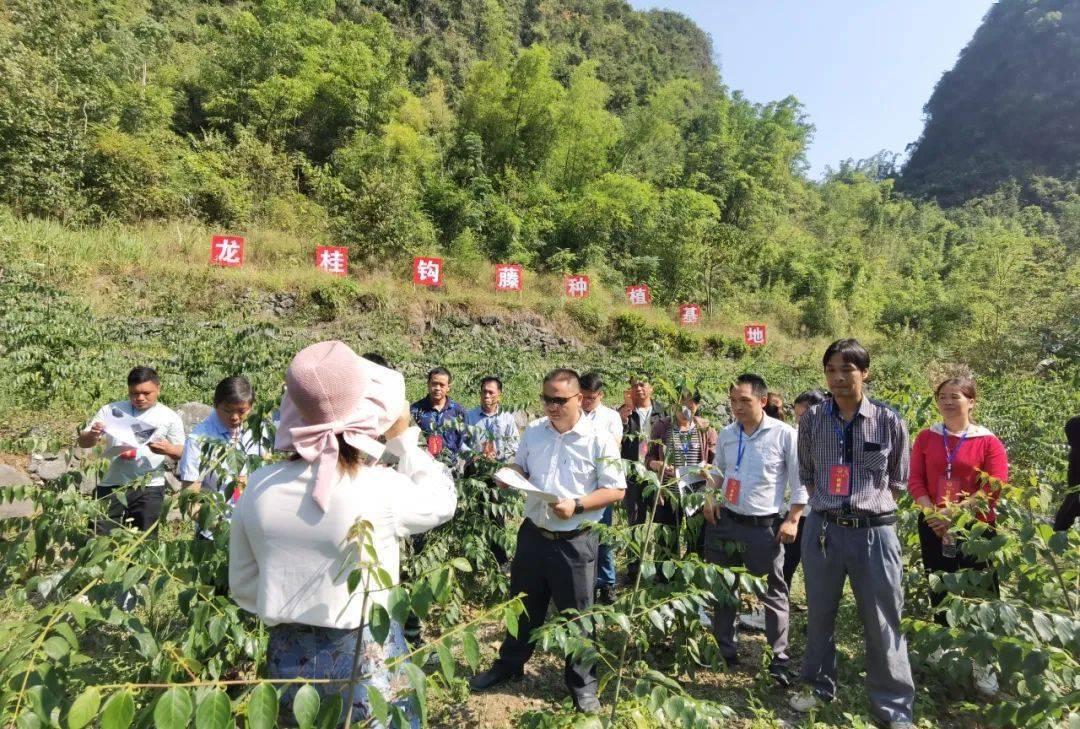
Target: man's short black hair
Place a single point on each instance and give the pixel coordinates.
(592, 382)
(234, 389)
(643, 377)
(143, 374)
(850, 350)
(810, 398)
(563, 373)
(491, 378)
(440, 371)
(377, 359)
(757, 384)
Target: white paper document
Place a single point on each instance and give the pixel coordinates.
(515, 480)
(128, 430)
(690, 477)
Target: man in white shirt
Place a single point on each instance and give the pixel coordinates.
(565, 456)
(639, 414)
(756, 461)
(131, 462)
(603, 418)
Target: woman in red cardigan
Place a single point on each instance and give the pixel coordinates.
(947, 461)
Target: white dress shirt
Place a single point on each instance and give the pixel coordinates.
(499, 428)
(605, 418)
(569, 465)
(123, 470)
(769, 466)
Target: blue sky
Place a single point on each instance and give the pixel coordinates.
(862, 68)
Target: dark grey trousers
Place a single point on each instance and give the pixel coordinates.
(562, 571)
(871, 558)
(731, 544)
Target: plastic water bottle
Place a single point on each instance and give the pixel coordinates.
(948, 546)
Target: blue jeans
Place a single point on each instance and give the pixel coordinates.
(605, 558)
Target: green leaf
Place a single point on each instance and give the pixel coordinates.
(262, 708)
(472, 650)
(380, 709)
(510, 618)
(461, 564)
(306, 706)
(84, 708)
(56, 647)
(446, 661)
(330, 713)
(398, 604)
(119, 711)
(215, 712)
(419, 683)
(379, 623)
(173, 709)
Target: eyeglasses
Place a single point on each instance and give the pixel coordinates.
(558, 401)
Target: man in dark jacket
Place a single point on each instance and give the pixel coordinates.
(639, 413)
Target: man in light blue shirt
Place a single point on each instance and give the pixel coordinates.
(756, 463)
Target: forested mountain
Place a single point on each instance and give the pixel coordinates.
(1008, 110)
(562, 134)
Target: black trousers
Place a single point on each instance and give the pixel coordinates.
(935, 561)
(562, 571)
(793, 554)
(142, 510)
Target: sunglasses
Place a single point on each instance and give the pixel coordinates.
(560, 401)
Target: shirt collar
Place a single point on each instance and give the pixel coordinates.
(582, 427)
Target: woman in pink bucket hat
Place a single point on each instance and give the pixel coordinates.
(289, 551)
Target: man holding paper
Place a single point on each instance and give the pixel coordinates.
(575, 468)
(756, 461)
(140, 433)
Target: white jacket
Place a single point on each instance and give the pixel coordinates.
(289, 561)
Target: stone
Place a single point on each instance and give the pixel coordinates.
(193, 413)
(51, 467)
(10, 476)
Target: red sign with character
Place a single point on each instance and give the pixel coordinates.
(227, 250)
(427, 271)
(576, 287)
(638, 295)
(332, 259)
(754, 335)
(508, 277)
(689, 315)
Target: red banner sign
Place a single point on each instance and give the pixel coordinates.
(508, 277)
(576, 287)
(227, 250)
(689, 315)
(638, 295)
(754, 335)
(427, 271)
(332, 259)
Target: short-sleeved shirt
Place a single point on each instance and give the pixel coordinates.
(570, 465)
(212, 429)
(875, 447)
(448, 423)
(123, 470)
(768, 470)
(605, 418)
(499, 428)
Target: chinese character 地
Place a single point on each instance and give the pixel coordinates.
(755, 335)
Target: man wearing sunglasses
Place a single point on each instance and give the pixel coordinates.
(562, 454)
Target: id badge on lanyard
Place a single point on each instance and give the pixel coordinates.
(949, 487)
(840, 474)
(434, 444)
(734, 485)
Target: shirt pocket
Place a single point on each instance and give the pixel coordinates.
(876, 460)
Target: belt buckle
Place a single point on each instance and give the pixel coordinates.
(847, 521)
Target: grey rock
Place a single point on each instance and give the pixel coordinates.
(11, 476)
(193, 413)
(49, 469)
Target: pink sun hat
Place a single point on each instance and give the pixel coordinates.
(331, 390)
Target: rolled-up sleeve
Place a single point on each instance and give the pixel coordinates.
(899, 455)
(425, 496)
(190, 460)
(609, 471)
(795, 485)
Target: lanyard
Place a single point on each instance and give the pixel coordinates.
(951, 454)
(740, 449)
(684, 442)
(843, 430)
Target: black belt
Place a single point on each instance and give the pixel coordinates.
(758, 521)
(548, 534)
(854, 521)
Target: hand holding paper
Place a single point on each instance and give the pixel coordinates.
(515, 480)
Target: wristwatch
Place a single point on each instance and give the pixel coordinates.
(578, 506)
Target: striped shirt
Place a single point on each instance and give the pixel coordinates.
(683, 445)
(875, 448)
